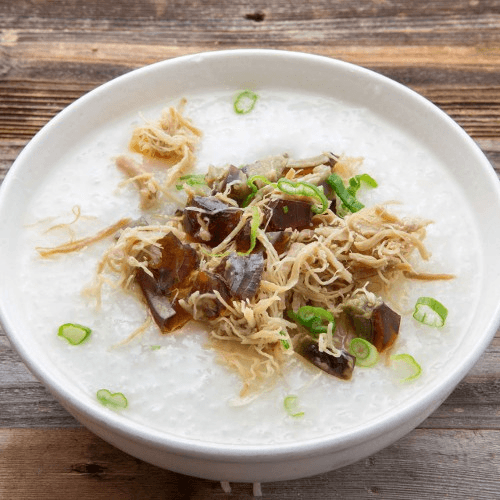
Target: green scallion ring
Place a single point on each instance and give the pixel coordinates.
(245, 102)
(430, 312)
(75, 334)
(290, 404)
(114, 401)
(304, 189)
(284, 343)
(406, 366)
(366, 353)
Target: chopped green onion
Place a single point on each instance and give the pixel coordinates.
(191, 180)
(355, 183)
(114, 401)
(406, 367)
(313, 318)
(350, 202)
(430, 312)
(284, 343)
(251, 184)
(254, 227)
(366, 354)
(290, 404)
(285, 209)
(245, 102)
(155, 347)
(73, 333)
(304, 189)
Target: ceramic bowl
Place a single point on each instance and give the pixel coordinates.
(257, 69)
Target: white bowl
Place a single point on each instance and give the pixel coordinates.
(229, 71)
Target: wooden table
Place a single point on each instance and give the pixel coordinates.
(53, 51)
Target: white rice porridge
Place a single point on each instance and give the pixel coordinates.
(180, 388)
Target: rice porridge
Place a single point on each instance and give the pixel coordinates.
(173, 382)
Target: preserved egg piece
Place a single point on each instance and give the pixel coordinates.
(243, 274)
(174, 263)
(340, 367)
(385, 327)
(168, 317)
(243, 238)
(285, 213)
(380, 327)
(209, 220)
(280, 240)
(208, 307)
(234, 179)
(171, 266)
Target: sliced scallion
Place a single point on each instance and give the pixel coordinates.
(350, 202)
(245, 102)
(313, 318)
(290, 404)
(284, 343)
(251, 184)
(304, 189)
(114, 401)
(75, 334)
(254, 227)
(430, 312)
(191, 180)
(406, 367)
(366, 353)
(355, 183)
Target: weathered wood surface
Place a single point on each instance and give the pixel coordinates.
(76, 464)
(54, 51)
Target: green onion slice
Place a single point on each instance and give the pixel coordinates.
(304, 189)
(290, 404)
(430, 312)
(251, 184)
(155, 347)
(355, 183)
(366, 353)
(114, 401)
(191, 180)
(245, 102)
(254, 227)
(284, 343)
(406, 367)
(75, 334)
(337, 184)
(313, 318)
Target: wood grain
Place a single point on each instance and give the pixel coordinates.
(85, 467)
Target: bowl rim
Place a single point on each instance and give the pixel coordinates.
(244, 452)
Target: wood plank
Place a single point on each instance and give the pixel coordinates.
(73, 463)
(282, 9)
(266, 22)
(100, 50)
